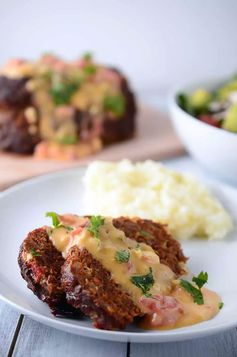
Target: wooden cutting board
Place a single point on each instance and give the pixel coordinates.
(155, 139)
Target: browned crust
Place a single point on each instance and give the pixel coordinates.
(158, 237)
(91, 288)
(43, 271)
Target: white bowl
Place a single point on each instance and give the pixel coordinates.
(213, 147)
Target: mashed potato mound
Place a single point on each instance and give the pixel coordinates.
(150, 190)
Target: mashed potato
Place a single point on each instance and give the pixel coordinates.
(150, 190)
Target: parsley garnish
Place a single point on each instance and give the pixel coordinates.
(62, 92)
(145, 234)
(89, 69)
(87, 56)
(55, 221)
(144, 282)
(220, 305)
(196, 293)
(95, 223)
(115, 104)
(201, 279)
(67, 140)
(122, 256)
(35, 253)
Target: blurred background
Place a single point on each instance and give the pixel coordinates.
(156, 43)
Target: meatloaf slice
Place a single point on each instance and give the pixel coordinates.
(40, 263)
(157, 236)
(90, 287)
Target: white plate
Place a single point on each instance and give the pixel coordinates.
(22, 209)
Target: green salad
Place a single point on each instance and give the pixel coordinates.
(217, 108)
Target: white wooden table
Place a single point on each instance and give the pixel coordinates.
(22, 337)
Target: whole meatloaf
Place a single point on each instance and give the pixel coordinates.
(63, 110)
(73, 280)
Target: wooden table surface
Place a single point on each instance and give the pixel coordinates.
(22, 337)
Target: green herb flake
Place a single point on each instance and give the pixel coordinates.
(115, 104)
(201, 279)
(195, 292)
(55, 220)
(67, 140)
(122, 256)
(34, 253)
(145, 234)
(87, 56)
(89, 69)
(62, 92)
(220, 305)
(95, 223)
(144, 282)
(148, 295)
(69, 228)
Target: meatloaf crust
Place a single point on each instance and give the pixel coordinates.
(90, 287)
(40, 263)
(157, 236)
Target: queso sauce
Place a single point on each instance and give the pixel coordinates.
(167, 305)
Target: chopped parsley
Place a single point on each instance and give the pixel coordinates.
(95, 223)
(220, 305)
(34, 253)
(195, 291)
(144, 282)
(62, 92)
(145, 234)
(55, 221)
(201, 279)
(87, 56)
(138, 246)
(115, 104)
(89, 69)
(67, 140)
(122, 256)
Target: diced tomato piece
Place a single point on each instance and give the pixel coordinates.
(163, 310)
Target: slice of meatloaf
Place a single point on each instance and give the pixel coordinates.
(90, 287)
(157, 236)
(40, 263)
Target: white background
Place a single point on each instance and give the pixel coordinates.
(156, 43)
